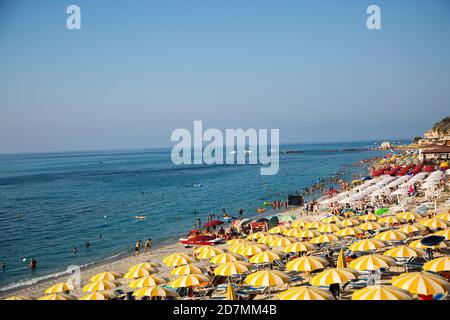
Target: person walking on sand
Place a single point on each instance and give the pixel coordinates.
(137, 248)
(148, 245)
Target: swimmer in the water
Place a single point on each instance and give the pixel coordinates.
(3, 266)
(87, 244)
(74, 250)
(33, 264)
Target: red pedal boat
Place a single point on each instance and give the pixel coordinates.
(193, 238)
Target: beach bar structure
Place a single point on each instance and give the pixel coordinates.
(436, 154)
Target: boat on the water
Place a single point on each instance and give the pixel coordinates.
(194, 238)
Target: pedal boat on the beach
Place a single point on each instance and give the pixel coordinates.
(193, 238)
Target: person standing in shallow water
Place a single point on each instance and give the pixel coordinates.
(33, 264)
(137, 248)
(148, 245)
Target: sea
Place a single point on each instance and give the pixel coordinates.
(52, 202)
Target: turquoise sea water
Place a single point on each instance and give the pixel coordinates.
(52, 202)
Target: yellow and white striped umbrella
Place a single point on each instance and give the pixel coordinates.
(390, 235)
(434, 223)
(334, 275)
(238, 247)
(252, 249)
(230, 295)
(371, 262)
(147, 281)
(349, 232)
(299, 247)
(187, 269)
(305, 293)
(267, 278)
(417, 244)
(424, 283)
(293, 232)
(232, 268)
(411, 228)
(314, 225)
(381, 293)
(368, 217)
(178, 259)
(300, 224)
(100, 285)
(332, 219)
(281, 242)
(369, 226)
(58, 296)
(277, 230)
(146, 265)
(367, 245)
(308, 234)
(256, 235)
(226, 257)
(444, 216)
(233, 242)
(350, 222)
(106, 276)
(409, 216)
(268, 239)
(390, 220)
(155, 291)
(329, 228)
(404, 252)
(306, 264)
(19, 298)
(208, 252)
(99, 295)
(341, 263)
(189, 280)
(438, 265)
(443, 233)
(59, 287)
(325, 238)
(267, 256)
(138, 273)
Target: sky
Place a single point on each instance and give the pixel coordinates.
(137, 70)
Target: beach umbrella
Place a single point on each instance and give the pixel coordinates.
(444, 216)
(99, 295)
(178, 259)
(333, 276)
(306, 264)
(186, 269)
(308, 234)
(381, 211)
(293, 232)
(417, 244)
(155, 291)
(106, 276)
(371, 262)
(404, 252)
(341, 263)
(189, 280)
(369, 226)
(59, 287)
(226, 257)
(147, 281)
(252, 249)
(268, 239)
(233, 242)
(277, 230)
(409, 216)
(266, 257)
(100, 285)
(434, 223)
(411, 228)
(443, 233)
(390, 220)
(305, 293)
(438, 265)
(300, 224)
(367, 245)
(299, 247)
(350, 222)
(231, 295)
(328, 228)
(349, 232)
(314, 225)
(390, 235)
(423, 283)
(256, 235)
(146, 265)
(213, 223)
(368, 217)
(19, 298)
(281, 242)
(238, 247)
(138, 273)
(208, 252)
(325, 238)
(232, 268)
(332, 219)
(381, 293)
(267, 278)
(58, 296)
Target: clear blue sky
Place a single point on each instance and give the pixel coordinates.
(139, 69)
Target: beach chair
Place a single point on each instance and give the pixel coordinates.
(205, 294)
